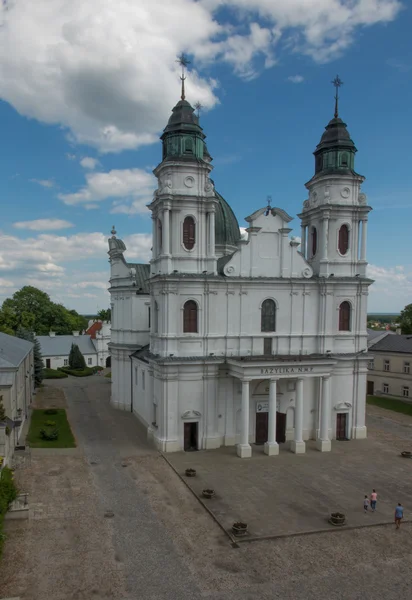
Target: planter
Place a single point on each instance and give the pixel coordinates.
(406, 454)
(239, 528)
(337, 519)
(208, 493)
(190, 472)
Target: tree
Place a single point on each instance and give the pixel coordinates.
(24, 334)
(32, 310)
(2, 411)
(76, 358)
(405, 320)
(104, 315)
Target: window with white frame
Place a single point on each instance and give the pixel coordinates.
(89, 361)
(371, 364)
(143, 380)
(385, 388)
(386, 365)
(406, 367)
(65, 362)
(405, 391)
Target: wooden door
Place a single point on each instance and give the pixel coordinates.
(280, 428)
(341, 423)
(190, 437)
(261, 427)
(370, 388)
(47, 363)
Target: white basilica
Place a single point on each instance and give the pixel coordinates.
(231, 340)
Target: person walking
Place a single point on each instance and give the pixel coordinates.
(365, 504)
(398, 515)
(374, 499)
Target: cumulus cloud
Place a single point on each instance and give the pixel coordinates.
(43, 224)
(392, 289)
(89, 163)
(47, 183)
(66, 267)
(296, 78)
(106, 71)
(136, 185)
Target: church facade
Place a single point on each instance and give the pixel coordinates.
(227, 339)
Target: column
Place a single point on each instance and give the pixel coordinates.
(298, 446)
(303, 240)
(154, 236)
(166, 230)
(212, 234)
(324, 248)
(323, 443)
(271, 447)
(243, 449)
(363, 243)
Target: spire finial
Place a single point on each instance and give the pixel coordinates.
(269, 206)
(337, 82)
(113, 231)
(198, 107)
(183, 61)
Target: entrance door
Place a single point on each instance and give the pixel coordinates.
(341, 423)
(190, 437)
(370, 389)
(47, 363)
(261, 427)
(280, 427)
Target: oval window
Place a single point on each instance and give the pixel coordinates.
(314, 241)
(189, 233)
(343, 243)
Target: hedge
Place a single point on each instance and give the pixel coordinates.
(77, 372)
(52, 374)
(8, 493)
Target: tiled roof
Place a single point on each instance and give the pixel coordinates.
(142, 277)
(394, 343)
(59, 345)
(13, 350)
(94, 328)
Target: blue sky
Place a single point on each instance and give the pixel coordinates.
(86, 91)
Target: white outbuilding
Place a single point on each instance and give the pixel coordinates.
(227, 339)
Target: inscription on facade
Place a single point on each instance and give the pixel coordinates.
(277, 370)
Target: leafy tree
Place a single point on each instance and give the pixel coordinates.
(405, 320)
(32, 309)
(104, 315)
(76, 358)
(24, 334)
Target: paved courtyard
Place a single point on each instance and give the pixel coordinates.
(290, 494)
(160, 543)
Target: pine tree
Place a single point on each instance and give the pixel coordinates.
(76, 358)
(24, 334)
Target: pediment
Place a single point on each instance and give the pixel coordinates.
(191, 414)
(343, 406)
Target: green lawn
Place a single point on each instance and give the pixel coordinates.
(109, 374)
(38, 422)
(390, 404)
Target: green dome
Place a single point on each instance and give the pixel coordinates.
(227, 230)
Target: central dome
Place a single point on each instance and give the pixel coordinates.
(227, 232)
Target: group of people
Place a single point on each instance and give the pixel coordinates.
(372, 503)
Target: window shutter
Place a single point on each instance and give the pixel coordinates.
(343, 243)
(344, 316)
(189, 231)
(190, 317)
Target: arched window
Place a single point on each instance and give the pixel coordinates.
(189, 233)
(343, 241)
(314, 240)
(344, 316)
(344, 160)
(190, 317)
(268, 316)
(188, 145)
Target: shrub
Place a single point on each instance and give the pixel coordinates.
(76, 358)
(8, 493)
(8, 430)
(50, 411)
(49, 434)
(77, 372)
(50, 423)
(53, 374)
(97, 368)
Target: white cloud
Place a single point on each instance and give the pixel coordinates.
(47, 183)
(70, 156)
(66, 267)
(43, 224)
(296, 78)
(392, 289)
(131, 187)
(106, 71)
(89, 163)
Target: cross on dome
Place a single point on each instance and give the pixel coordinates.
(337, 82)
(183, 61)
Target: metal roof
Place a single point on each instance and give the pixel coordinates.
(394, 343)
(142, 277)
(13, 350)
(59, 345)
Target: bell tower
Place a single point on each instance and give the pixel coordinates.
(184, 204)
(335, 216)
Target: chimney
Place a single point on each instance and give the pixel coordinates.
(75, 333)
(398, 331)
(52, 333)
